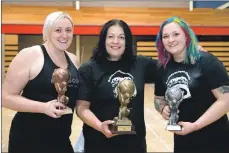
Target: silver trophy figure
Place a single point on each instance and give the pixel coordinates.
(173, 97)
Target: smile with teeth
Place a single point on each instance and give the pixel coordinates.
(63, 41)
(172, 46)
(115, 47)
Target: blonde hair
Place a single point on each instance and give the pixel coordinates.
(51, 20)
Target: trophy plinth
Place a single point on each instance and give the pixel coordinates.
(60, 79)
(122, 124)
(173, 97)
(68, 110)
(122, 127)
(173, 128)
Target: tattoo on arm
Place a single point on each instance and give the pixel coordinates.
(224, 89)
(159, 104)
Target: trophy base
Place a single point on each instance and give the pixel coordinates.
(173, 128)
(67, 110)
(122, 127)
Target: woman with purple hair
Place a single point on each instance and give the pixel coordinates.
(204, 83)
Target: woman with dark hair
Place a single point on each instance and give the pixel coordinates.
(204, 82)
(112, 61)
(100, 54)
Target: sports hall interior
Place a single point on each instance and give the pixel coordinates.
(22, 24)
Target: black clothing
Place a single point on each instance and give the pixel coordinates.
(39, 133)
(98, 81)
(197, 81)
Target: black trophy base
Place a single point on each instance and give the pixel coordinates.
(122, 127)
(173, 128)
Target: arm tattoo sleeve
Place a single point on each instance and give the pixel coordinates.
(159, 104)
(224, 89)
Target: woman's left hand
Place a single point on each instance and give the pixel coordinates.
(187, 127)
(201, 48)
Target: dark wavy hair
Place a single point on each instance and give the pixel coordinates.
(100, 53)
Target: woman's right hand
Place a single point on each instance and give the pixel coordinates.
(166, 112)
(54, 109)
(105, 128)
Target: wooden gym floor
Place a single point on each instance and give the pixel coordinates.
(158, 139)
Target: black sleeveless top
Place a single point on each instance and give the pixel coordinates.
(40, 130)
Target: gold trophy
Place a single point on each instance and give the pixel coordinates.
(122, 125)
(60, 78)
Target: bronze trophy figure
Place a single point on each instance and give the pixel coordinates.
(173, 97)
(122, 125)
(60, 79)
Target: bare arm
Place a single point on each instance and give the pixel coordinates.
(159, 103)
(217, 109)
(89, 118)
(17, 77)
(85, 114)
(161, 106)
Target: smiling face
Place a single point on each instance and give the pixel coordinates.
(115, 42)
(174, 40)
(61, 34)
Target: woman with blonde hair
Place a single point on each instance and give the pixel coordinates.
(40, 124)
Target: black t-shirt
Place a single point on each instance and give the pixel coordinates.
(196, 81)
(98, 81)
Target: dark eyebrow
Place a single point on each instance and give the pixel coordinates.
(175, 32)
(113, 34)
